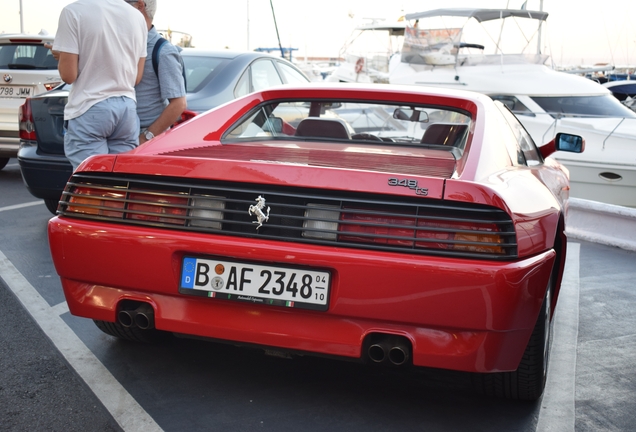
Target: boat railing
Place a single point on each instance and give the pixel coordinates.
(558, 116)
(446, 58)
(498, 59)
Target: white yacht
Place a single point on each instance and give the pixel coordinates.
(475, 49)
(367, 52)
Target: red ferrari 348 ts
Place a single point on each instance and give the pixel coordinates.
(397, 225)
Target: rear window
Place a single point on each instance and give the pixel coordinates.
(200, 70)
(26, 56)
(371, 123)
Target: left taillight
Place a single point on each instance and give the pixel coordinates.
(157, 206)
(96, 202)
(26, 124)
(146, 206)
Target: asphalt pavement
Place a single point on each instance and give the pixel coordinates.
(38, 389)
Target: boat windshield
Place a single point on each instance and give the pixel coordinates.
(584, 106)
(465, 37)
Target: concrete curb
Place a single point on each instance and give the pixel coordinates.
(597, 222)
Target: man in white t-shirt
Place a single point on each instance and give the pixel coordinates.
(102, 51)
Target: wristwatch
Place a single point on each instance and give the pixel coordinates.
(149, 135)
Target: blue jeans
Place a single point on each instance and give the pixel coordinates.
(109, 126)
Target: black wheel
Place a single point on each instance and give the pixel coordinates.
(134, 334)
(528, 381)
(3, 162)
(51, 204)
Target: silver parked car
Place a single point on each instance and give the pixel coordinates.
(27, 69)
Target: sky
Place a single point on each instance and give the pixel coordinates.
(576, 35)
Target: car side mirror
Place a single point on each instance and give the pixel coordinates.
(569, 143)
(563, 142)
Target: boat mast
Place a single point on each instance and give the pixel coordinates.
(282, 52)
(540, 28)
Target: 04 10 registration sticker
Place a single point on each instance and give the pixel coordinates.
(248, 282)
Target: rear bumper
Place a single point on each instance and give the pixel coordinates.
(45, 176)
(467, 315)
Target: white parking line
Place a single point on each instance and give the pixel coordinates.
(19, 206)
(60, 308)
(121, 405)
(557, 412)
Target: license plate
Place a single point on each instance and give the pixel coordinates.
(247, 282)
(15, 91)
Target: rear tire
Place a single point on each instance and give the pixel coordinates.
(528, 381)
(134, 334)
(51, 204)
(3, 162)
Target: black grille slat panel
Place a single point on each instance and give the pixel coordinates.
(463, 224)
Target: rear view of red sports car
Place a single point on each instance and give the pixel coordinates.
(397, 225)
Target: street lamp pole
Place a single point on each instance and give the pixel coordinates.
(248, 25)
(21, 19)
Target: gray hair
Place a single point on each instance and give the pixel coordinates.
(151, 8)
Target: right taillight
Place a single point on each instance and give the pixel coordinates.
(421, 232)
(50, 86)
(461, 236)
(26, 124)
(368, 228)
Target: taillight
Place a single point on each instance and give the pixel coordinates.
(97, 202)
(420, 232)
(26, 124)
(461, 236)
(207, 211)
(51, 86)
(154, 206)
(157, 207)
(321, 221)
(185, 116)
(384, 230)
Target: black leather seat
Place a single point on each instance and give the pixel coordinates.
(323, 128)
(452, 134)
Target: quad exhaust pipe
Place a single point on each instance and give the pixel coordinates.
(141, 316)
(395, 350)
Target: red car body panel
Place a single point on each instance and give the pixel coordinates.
(455, 317)
(462, 314)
